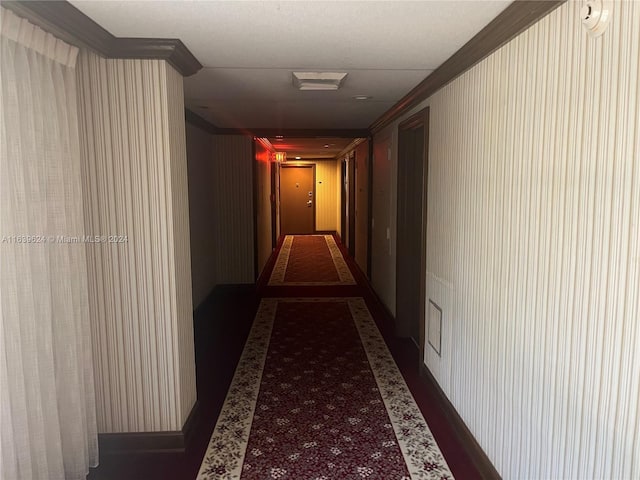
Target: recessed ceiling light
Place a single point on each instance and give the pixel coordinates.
(326, 145)
(318, 80)
(362, 97)
(298, 158)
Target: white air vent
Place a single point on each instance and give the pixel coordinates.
(318, 80)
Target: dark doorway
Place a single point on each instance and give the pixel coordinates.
(362, 206)
(412, 219)
(297, 199)
(275, 205)
(348, 203)
(343, 202)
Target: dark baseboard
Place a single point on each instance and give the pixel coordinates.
(151, 442)
(326, 232)
(219, 290)
(462, 432)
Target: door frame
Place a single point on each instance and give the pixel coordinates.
(275, 204)
(370, 209)
(343, 201)
(313, 198)
(420, 119)
(352, 204)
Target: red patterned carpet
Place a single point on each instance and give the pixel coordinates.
(318, 395)
(310, 260)
(330, 404)
(319, 409)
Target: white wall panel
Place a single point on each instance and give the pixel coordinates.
(134, 172)
(534, 246)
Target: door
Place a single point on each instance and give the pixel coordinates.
(411, 254)
(362, 206)
(351, 210)
(343, 202)
(297, 199)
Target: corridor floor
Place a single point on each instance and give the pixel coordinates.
(301, 378)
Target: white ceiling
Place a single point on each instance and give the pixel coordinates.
(249, 49)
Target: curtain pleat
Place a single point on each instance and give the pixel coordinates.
(47, 396)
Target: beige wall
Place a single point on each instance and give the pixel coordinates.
(534, 247)
(204, 268)
(220, 210)
(232, 189)
(263, 204)
(135, 184)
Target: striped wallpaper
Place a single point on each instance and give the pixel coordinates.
(264, 236)
(326, 198)
(534, 248)
(232, 186)
(221, 210)
(134, 173)
(204, 271)
(180, 249)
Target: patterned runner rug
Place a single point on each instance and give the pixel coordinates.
(310, 260)
(316, 395)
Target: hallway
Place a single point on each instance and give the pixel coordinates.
(316, 327)
(471, 171)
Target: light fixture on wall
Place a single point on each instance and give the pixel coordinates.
(279, 157)
(318, 80)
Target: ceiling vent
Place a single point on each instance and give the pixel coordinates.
(318, 80)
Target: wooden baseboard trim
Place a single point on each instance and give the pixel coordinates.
(220, 290)
(151, 442)
(462, 432)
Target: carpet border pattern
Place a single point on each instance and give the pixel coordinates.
(227, 447)
(280, 268)
(225, 453)
(419, 448)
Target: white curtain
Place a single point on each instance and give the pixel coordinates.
(47, 402)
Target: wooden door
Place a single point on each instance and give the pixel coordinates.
(344, 232)
(351, 192)
(411, 236)
(297, 199)
(362, 206)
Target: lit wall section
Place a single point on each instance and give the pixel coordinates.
(533, 247)
(135, 184)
